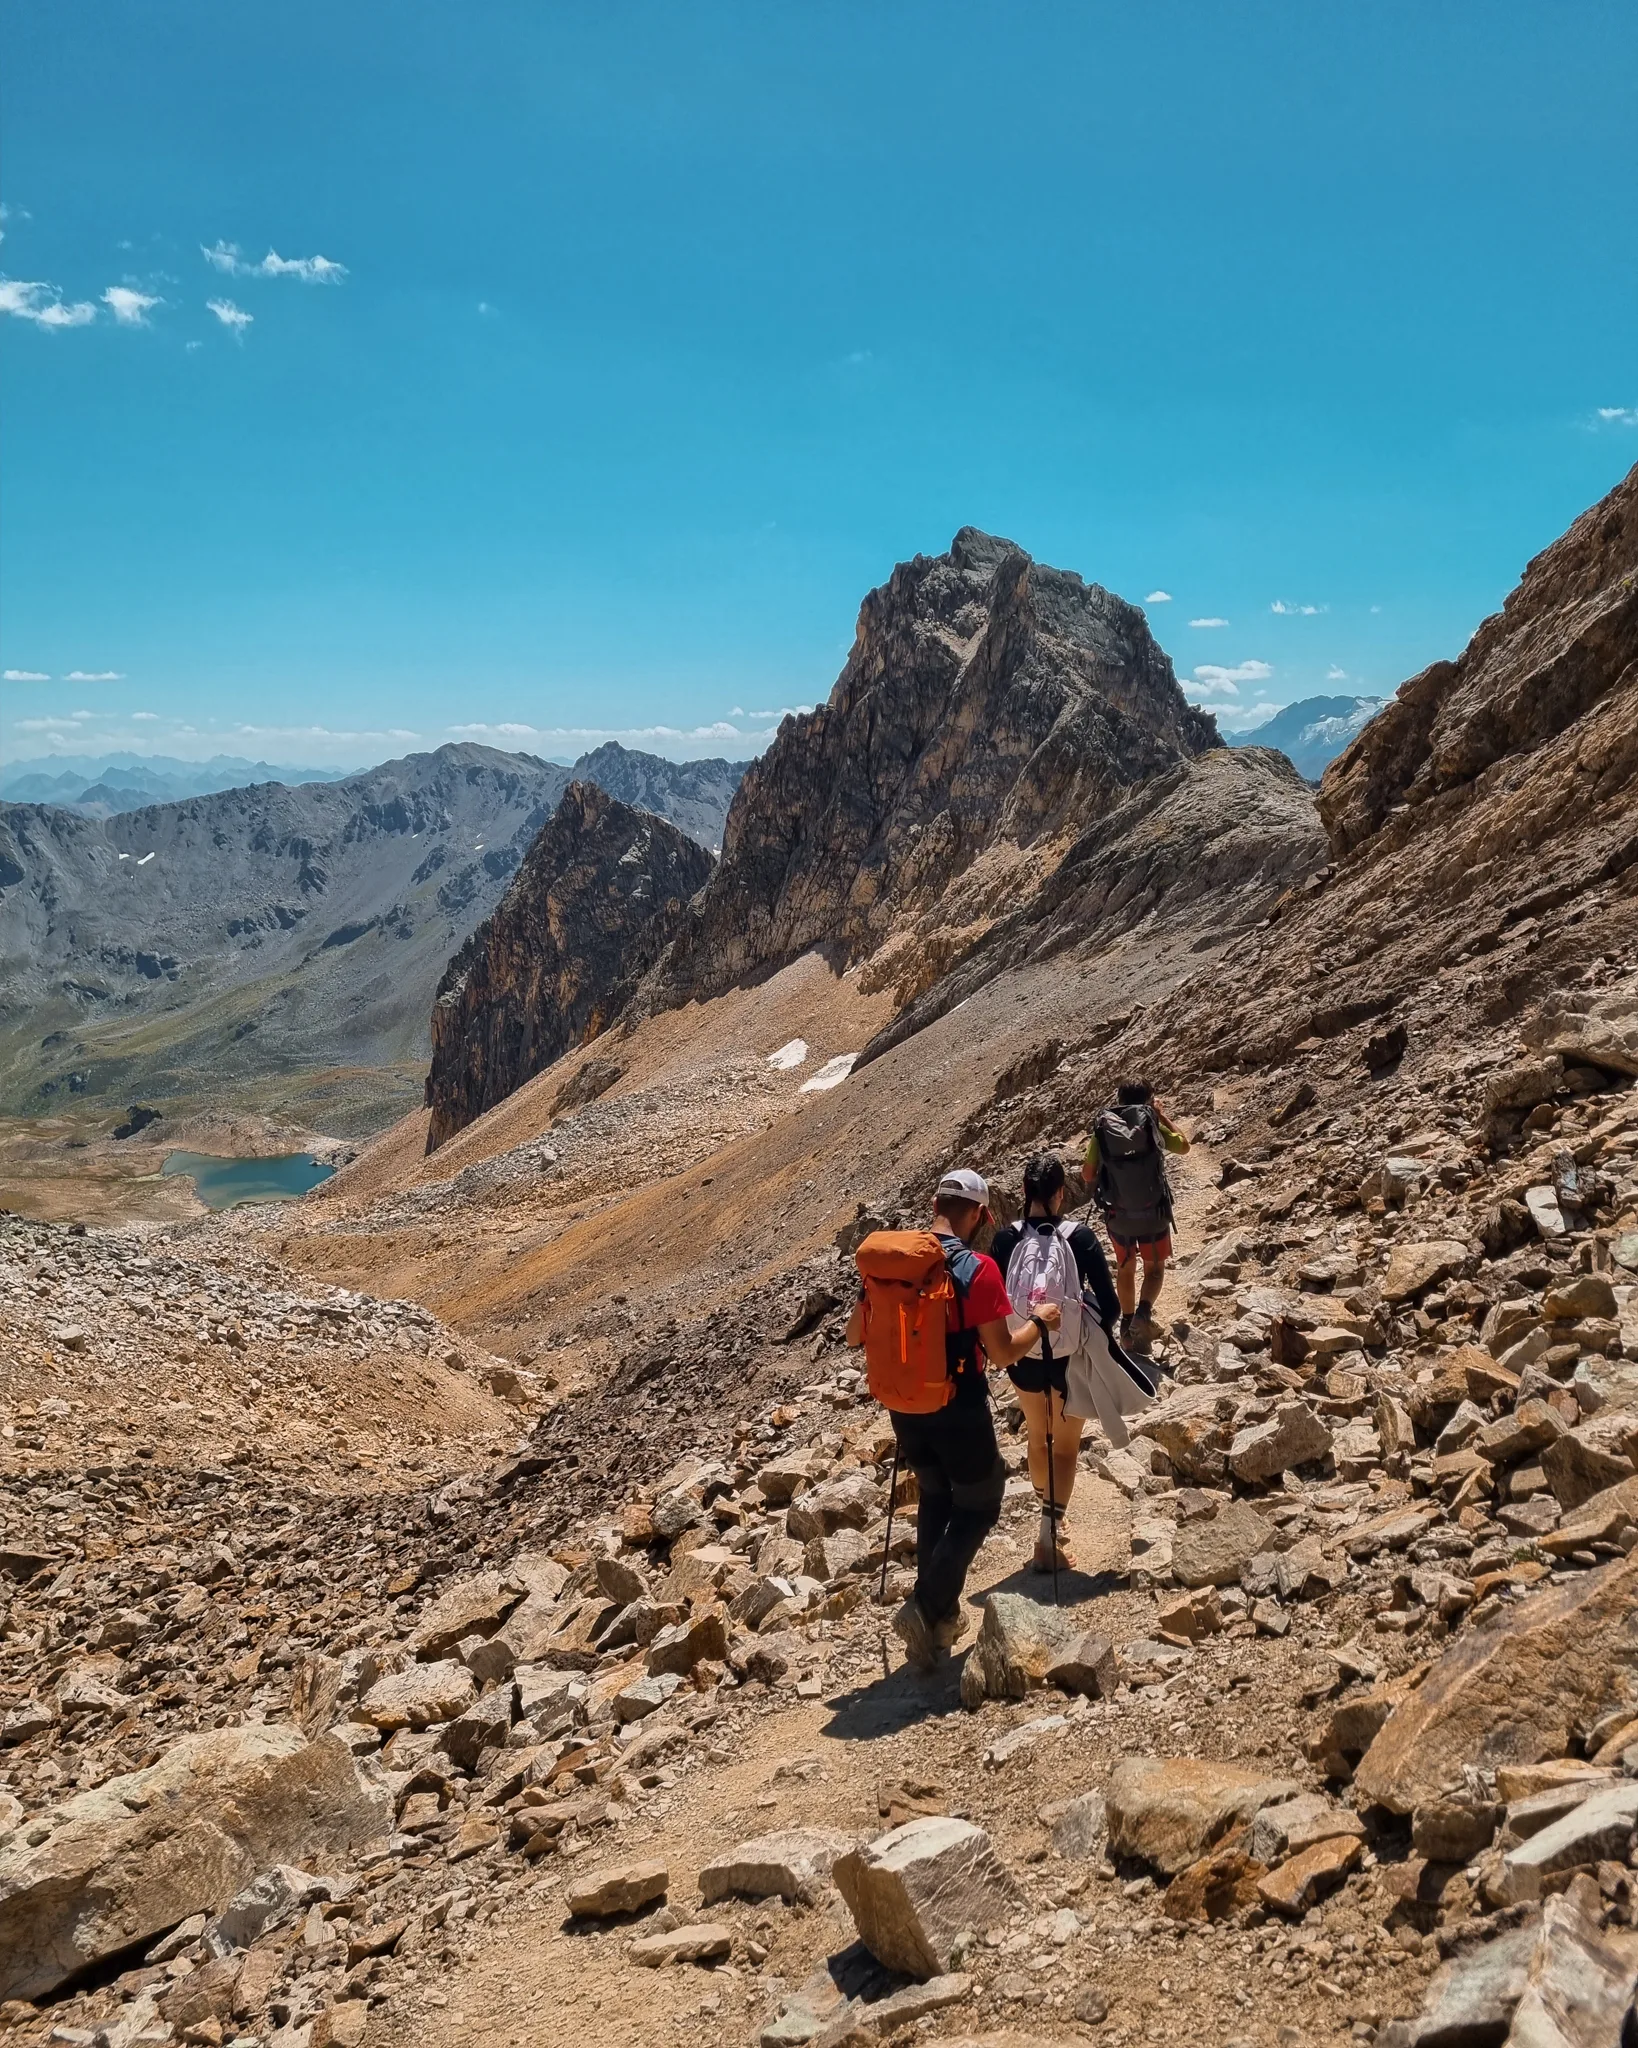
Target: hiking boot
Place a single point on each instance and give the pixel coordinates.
(947, 1633)
(914, 1630)
(1138, 1331)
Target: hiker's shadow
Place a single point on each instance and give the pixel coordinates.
(1075, 1588)
(894, 1701)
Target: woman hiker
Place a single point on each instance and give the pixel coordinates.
(1041, 1379)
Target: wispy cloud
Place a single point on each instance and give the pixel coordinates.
(1217, 681)
(25, 675)
(318, 732)
(43, 304)
(1297, 611)
(1618, 415)
(785, 711)
(1208, 624)
(487, 311)
(146, 717)
(233, 317)
(1336, 675)
(229, 259)
(1158, 597)
(665, 739)
(130, 308)
(94, 675)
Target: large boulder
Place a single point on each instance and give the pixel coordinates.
(418, 1696)
(1194, 1428)
(1022, 1644)
(471, 1607)
(1414, 1268)
(1293, 1435)
(142, 1852)
(914, 1891)
(793, 1864)
(1168, 1811)
(1216, 1552)
(1510, 1693)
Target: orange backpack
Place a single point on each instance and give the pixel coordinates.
(912, 1307)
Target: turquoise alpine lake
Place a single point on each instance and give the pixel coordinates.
(222, 1183)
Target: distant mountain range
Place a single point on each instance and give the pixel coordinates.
(1313, 731)
(102, 785)
(275, 929)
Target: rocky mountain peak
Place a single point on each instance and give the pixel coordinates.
(599, 893)
(988, 699)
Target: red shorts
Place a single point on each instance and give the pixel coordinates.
(1156, 1250)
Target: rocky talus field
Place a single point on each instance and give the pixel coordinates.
(450, 1608)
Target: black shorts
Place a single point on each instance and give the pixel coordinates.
(1034, 1375)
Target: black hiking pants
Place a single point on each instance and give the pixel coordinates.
(960, 1479)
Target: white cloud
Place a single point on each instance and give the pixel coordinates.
(682, 741)
(227, 258)
(38, 724)
(1208, 624)
(785, 711)
(231, 316)
(146, 717)
(1158, 597)
(43, 304)
(130, 308)
(1619, 415)
(1336, 675)
(1375, 608)
(1297, 611)
(1217, 681)
(487, 311)
(94, 675)
(318, 732)
(25, 675)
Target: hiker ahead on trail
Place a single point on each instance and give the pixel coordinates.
(932, 1313)
(1047, 1259)
(1125, 1168)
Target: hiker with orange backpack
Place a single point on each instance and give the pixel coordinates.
(932, 1312)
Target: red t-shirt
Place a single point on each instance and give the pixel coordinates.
(986, 1295)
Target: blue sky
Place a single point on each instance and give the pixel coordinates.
(646, 338)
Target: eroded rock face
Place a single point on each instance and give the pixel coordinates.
(599, 893)
(139, 1854)
(1559, 644)
(988, 701)
(1509, 1695)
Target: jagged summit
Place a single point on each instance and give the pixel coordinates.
(988, 701)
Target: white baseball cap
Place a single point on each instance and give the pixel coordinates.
(966, 1186)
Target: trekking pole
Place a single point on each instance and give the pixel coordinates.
(887, 1540)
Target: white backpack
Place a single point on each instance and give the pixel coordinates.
(1042, 1268)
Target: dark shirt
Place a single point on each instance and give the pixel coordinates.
(1089, 1258)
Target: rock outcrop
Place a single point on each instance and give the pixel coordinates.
(599, 893)
(111, 1868)
(1565, 641)
(988, 705)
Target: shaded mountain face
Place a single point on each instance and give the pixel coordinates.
(1313, 731)
(693, 795)
(988, 701)
(599, 894)
(172, 948)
